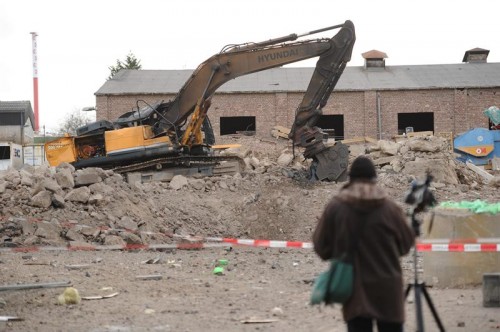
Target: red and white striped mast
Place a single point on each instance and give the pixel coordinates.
(35, 78)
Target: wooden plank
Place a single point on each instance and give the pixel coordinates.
(359, 140)
(371, 140)
(355, 140)
(485, 175)
(278, 134)
(282, 129)
(420, 133)
(225, 146)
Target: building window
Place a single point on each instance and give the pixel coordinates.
(4, 152)
(333, 125)
(422, 121)
(237, 124)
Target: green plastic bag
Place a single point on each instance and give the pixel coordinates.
(334, 285)
(493, 113)
(477, 206)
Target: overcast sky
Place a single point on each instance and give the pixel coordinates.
(79, 40)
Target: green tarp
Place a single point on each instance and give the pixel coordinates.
(477, 206)
(493, 113)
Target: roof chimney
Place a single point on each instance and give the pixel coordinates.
(374, 59)
(476, 55)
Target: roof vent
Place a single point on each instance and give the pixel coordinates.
(476, 55)
(374, 59)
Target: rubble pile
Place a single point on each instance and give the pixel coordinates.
(54, 205)
(403, 162)
(60, 205)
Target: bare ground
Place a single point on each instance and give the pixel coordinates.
(261, 290)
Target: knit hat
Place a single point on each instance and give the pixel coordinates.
(362, 168)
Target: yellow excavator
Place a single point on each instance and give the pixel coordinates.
(178, 132)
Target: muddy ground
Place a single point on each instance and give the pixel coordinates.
(261, 289)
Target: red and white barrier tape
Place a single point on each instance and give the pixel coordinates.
(426, 245)
(262, 243)
(181, 246)
(486, 245)
(459, 247)
(461, 240)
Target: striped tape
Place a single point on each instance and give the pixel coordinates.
(459, 247)
(80, 247)
(422, 247)
(487, 245)
(263, 243)
(461, 240)
(193, 243)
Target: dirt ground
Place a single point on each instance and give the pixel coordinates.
(261, 289)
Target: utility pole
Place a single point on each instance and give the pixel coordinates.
(35, 77)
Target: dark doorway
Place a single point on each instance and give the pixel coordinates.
(422, 121)
(333, 125)
(237, 124)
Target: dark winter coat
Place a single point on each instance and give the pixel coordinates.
(386, 236)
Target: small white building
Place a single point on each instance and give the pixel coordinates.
(17, 130)
(17, 122)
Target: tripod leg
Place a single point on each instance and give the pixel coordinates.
(433, 309)
(418, 307)
(408, 289)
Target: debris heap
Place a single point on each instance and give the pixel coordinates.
(271, 198)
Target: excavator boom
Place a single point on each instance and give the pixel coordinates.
(238, 60)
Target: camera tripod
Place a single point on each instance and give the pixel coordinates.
(420, 288)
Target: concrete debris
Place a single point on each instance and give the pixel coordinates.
(388, 147)
(178, 181)
(485, 175)
(285, 159)
(61, 205)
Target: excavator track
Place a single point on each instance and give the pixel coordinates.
(188, 161)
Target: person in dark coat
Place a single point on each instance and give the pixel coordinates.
(363, 209)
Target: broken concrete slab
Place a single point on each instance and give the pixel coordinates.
(81, 194)
(42, 199)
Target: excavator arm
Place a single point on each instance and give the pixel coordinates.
(239, 60)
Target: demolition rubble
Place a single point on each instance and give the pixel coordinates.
(271, 198)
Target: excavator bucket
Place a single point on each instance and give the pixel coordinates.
(331, 163)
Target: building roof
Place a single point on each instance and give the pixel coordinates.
(19, 107)
(288, 79)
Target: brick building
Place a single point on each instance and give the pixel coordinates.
(373, 100)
